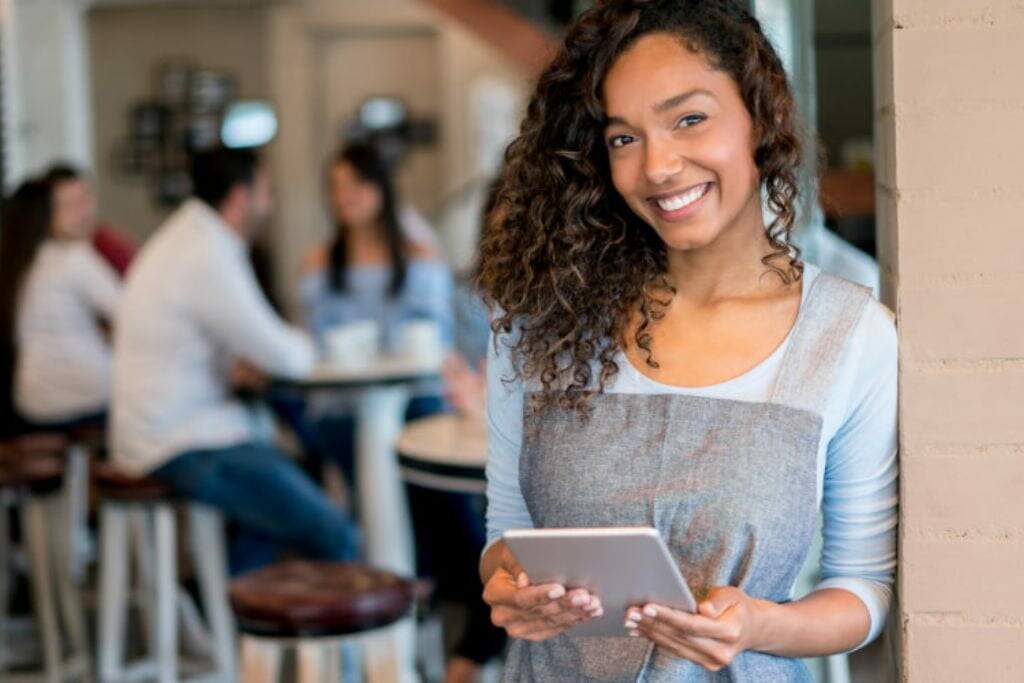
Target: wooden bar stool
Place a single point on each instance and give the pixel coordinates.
(31, 476)
(315, 607)
(138, 514)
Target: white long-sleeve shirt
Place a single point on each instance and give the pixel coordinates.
(856, 463)
(192, 306)
(64, 361)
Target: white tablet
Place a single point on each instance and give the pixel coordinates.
(623, 566)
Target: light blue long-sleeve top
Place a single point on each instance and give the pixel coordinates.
(426, 294)
(857, 453)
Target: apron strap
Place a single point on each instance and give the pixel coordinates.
(831, 311)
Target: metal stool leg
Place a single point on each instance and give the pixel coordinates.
(318, 662)
(261, 660)
(67, 588)
(37, 539)
(142, 550)
(166, 594)
(113, 591)
(206, 531)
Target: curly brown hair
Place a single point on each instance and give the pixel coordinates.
(571, 264)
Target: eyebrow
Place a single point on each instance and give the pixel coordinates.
(664, 105)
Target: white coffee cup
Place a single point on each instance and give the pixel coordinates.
(420, 340)
(353, 345)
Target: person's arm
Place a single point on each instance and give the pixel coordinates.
(430, 296)
(849, 606)
(312, 303)
(530, 612)
(860, 494)
(232, 307)
(506, 508)
(99, 285)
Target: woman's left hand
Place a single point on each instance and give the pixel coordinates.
(727, 623)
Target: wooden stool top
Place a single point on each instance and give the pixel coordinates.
(33, 461)
(114, 484)
(48, 444)
(40, 474)
(302, 598)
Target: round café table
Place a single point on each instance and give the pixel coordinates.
(382, 388)
(445, 452)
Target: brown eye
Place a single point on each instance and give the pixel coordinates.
(690, 120)
(619, 141)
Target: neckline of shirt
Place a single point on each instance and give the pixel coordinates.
(631, 374)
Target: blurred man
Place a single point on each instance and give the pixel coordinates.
(193, 327)
(74, 208)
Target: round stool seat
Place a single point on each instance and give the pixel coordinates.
(92, 435)
(40, 474)
(33, 444)
(301, 598)
(115, 484)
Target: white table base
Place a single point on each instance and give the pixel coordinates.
(385, 516)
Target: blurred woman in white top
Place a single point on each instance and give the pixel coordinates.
(57, 302)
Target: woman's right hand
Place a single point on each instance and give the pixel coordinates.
(538, 612)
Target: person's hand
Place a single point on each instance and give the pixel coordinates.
(464, 387)
(244, 376)
(531, 612)
(725, 625)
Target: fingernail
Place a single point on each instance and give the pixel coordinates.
(579, 600)
(651, 612)
(556, 592)
(633, 616)
(597, 613)
(634, 634)
(630, 625)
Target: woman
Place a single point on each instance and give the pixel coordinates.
(663, 358)
(58, 301)
(373, 271)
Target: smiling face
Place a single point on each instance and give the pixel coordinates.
(680, 143)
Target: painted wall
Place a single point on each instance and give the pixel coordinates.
(126, 46)
(950, 149)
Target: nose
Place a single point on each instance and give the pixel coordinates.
(662, 161)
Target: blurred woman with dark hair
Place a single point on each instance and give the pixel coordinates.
(57, 295)
(372, 270)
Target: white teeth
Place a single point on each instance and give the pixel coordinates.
(683, 200)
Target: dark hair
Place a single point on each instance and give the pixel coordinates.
(371, 168)
(216, 172)
(61, 173)
(572, 263)
(24, 226)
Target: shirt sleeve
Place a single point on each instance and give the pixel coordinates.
(860, 496)
(241, 319)
(99, 284)
(506, 508)
(430, 296)
(312, 294)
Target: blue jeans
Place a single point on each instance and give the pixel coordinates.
(274, 503)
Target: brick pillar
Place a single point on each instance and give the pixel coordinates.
(949, 131)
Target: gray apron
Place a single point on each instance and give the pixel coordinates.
(730, 485)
